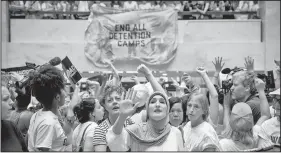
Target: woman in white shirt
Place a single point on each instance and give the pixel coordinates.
(88, 113)
(47, 131)
(199, 135)
(154, 135)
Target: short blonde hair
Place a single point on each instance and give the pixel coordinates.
(247, 79)
(203, 100)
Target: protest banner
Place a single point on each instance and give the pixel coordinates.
(146, 35)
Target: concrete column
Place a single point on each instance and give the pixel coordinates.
(270, 15)
(5, 31)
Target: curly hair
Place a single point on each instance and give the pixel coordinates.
(84, 109)
(109, 90)
(46, 83)
(247, 79)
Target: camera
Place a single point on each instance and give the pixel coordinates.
(84, 86)
(226, 85)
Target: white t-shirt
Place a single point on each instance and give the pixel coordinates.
(131, 6)
(271, 129)
(78, 132)
(45, 131)
(200, 137)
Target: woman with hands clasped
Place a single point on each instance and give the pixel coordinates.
(154, 135)
(199, 135)
(244, 135)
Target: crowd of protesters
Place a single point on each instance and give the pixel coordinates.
(233, 113)
(201, 7)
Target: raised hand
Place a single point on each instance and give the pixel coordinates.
(175, 83)
(260, 85)
(249, 63)
(201, 70)
(143, 70)
(127, 106)
(218, 64)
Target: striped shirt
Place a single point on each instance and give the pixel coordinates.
(101, 130)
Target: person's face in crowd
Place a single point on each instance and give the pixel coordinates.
(112, 103)
(238, 90)
(194, 110)
(60, 98)
(99, 111)
(176, 114)
(157, 108)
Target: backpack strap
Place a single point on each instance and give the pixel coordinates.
(82, 138)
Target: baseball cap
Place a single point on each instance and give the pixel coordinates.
(241, 109)
(241, 117)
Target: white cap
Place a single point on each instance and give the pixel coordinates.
(276, 92)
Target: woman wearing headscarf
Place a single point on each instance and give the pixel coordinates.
(154, 135)
(111, 102)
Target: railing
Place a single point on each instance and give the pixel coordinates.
(88, 13)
